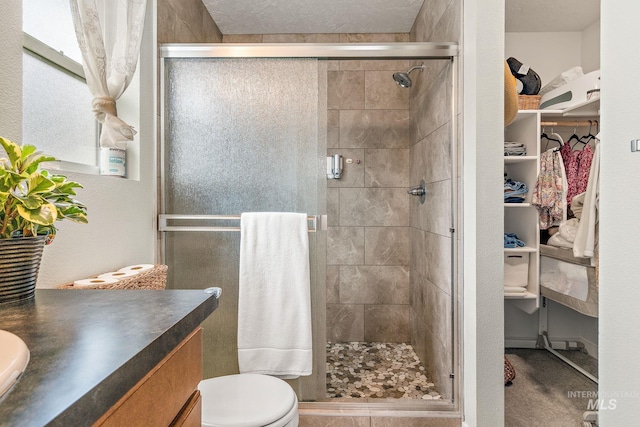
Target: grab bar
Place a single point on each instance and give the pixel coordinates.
(318, 222)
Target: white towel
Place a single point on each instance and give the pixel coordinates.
(274, 307)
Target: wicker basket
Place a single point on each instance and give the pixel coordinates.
(528, 102)
(152, 279)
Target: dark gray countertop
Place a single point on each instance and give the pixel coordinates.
(89, 347)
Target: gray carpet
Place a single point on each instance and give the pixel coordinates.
(544, 392)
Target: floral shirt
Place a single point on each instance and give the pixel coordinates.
(577, 164)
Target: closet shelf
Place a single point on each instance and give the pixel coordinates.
(526, 249)
(517, 205)
(525, 295)
(584, 109)
(519, 159)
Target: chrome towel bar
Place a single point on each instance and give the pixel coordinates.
(317, 222)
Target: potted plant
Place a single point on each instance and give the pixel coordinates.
(31, 201)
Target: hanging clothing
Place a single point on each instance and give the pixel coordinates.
(549, 194)
(577, 166)
(585, 242)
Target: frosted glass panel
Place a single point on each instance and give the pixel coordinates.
(241, 135)
(57, 115)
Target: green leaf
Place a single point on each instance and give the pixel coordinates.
(30, 164)
(44, 215)
(29, 202)
(39, 184)
(13, 150)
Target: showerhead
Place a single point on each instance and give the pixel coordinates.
(403, 79)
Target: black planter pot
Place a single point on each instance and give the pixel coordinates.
(19, 265)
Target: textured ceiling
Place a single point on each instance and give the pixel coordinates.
(383, 16)
(313, 16)
(550, 15)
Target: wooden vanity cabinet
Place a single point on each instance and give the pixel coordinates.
(167, 395)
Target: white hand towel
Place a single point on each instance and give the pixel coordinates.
(274, 307)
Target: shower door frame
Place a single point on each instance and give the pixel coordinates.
(356, 51)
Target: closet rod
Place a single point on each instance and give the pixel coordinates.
(570, 124)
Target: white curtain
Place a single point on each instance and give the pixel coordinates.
(108, 75)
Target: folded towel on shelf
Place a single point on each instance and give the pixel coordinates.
(511, 241)
(514, 191)
(274, 308)
(514, 149)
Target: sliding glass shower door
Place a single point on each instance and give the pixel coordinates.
(239, 135)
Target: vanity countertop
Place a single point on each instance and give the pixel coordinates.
(89, 347)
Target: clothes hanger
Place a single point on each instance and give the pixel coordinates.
(554, 137)
(590, 137)
(574, 137)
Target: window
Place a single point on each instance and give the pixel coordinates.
(57, 115)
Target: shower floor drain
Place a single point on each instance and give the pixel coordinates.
(376, 370)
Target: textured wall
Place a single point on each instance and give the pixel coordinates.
(121, 220)
(186, 21)
(430, 239)
(11, 70)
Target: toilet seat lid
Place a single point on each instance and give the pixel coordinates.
(245, 400)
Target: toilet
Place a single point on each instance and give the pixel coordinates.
(248, 400)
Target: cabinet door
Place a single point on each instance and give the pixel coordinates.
(162, 394)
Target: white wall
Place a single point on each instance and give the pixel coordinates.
(551, 53)
(483, 348)
(11, 76)
(591, 48)
(121, 212)
(619, 227)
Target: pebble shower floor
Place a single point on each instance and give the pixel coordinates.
(376, 370)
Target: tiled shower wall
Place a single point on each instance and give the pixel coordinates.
(431, 241)
(368, 208)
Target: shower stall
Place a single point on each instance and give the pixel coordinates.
(250, 128)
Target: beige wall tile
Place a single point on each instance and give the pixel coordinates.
(345, 90)
(365, 284)
(386, 168)
(345, 322)
(432, 110)
(301, 38)
(374, 129)
(242, 38)
(386, 246)
(333, 128)
(382, 93)
(434, 214)
(386, 323)
(333, 207)
(345, 246)
(376, 65)
(374, 207)
(186, 21)
(333, 284)
(374, 38)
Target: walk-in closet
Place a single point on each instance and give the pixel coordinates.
(551, 176)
